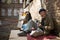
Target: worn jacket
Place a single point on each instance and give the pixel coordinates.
(47, 24)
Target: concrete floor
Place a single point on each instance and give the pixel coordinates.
(7, 34)
(14, 36)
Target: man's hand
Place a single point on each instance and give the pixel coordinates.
(39, 25)
(33, 28)
(48, 27)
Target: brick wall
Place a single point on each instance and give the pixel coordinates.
(53, 7)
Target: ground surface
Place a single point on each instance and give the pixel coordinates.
(14, 36)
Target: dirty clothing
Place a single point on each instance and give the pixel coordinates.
(44, 22)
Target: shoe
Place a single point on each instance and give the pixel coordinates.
(36, 33)
(22, 34)
(20, 29)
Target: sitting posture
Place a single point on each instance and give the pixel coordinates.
(44, 27)
(24, 26)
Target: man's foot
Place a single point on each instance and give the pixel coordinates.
(36, 33)
(22, 34)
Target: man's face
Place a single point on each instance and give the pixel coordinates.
(43, 14)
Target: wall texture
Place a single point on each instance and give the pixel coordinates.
(53, 7)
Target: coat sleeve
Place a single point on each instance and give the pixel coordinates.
(49, 23)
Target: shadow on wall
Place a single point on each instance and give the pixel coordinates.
(53, 8)
(4, 32)
(5, 29)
